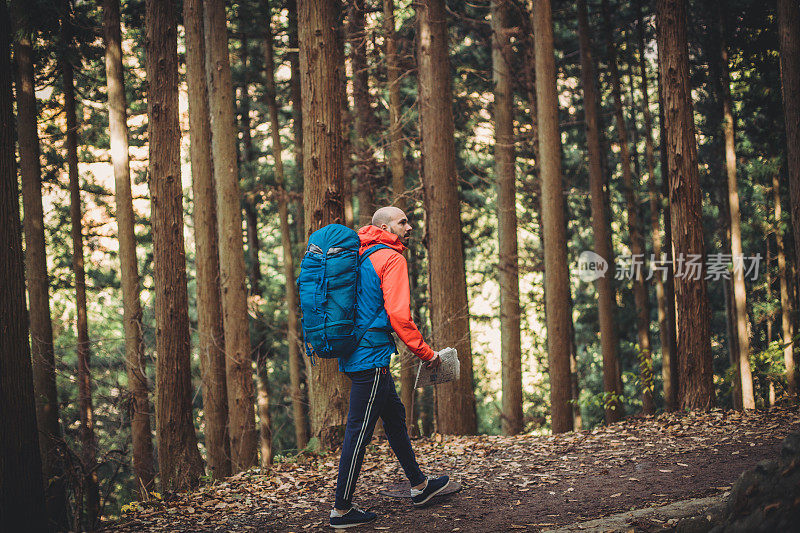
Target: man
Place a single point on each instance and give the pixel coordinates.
(383, 293)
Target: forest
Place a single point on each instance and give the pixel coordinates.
(604, 195)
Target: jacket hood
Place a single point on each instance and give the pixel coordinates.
(371, 235)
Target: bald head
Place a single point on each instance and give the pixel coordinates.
(387, 215)
(393, 220)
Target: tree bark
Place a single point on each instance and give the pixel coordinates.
(730, 307)
(41, 329)
(768, 282)
(239, 372)
(139, 406)
(696, 389)
(669, 364)
(554, 229)
(211, 339)
(630, 188)
(786, 306)
(505, 177)
(85, 409)
(179, 461)
(609, 342)
(324, 183)
(22, 496)
(455, 405)
(789, 34)
(655, 204)
(363, 119)
(739, 290)
(299, 416)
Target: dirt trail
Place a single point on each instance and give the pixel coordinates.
(510, 483)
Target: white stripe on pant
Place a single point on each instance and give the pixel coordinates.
(368, 412)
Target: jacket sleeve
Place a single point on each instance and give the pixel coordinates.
(396, 297)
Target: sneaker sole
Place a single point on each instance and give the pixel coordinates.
(423, 502)
(343, 526)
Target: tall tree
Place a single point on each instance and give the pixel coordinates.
(22, 499)
(363, 119)
(739, 290)
(630, 190)
(696, 388)
(41, 329)
(455, 401)
(505, 176)
(259, 340)
(88, 442)
(786, 306)
(789, 34)
(667, 355)
(132, 311)
(554, 228)
(323, 198)
(179, 461)
(295, 377)
(211, 339)
(609, 342)
(669, 365)
(239, 373)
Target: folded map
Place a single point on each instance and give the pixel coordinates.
(449, 369)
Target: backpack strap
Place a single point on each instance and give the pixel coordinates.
(362, 331)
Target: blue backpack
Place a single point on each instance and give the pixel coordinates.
(327, 286)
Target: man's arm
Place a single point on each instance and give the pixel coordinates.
(397, 301)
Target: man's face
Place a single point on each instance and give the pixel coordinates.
(399, 226)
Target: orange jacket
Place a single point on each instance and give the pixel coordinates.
(392, 269)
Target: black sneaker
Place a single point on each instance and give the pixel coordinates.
(435, 486)
(353, 517)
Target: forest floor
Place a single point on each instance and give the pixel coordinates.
(525, 482)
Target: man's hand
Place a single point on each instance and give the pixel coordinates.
(434, 363)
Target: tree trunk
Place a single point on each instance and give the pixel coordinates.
(655, 203)
(789, 34)
(363, 119)
(397, 168)
(41, 329)
(139, 406)
(297, 116)
(768, 282)
(179, 461)
(609, 342)
(251, 208)
(669, 364)
(696, 388)
(211, 340)
(85, 409)
(505, 177)
(239, 371)
(739, 290)
(22, 496)
(630, 189)
(300, 432)
(786, 306)
(324, 184)
(455, 406)
(554, 226)
(730, 307)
